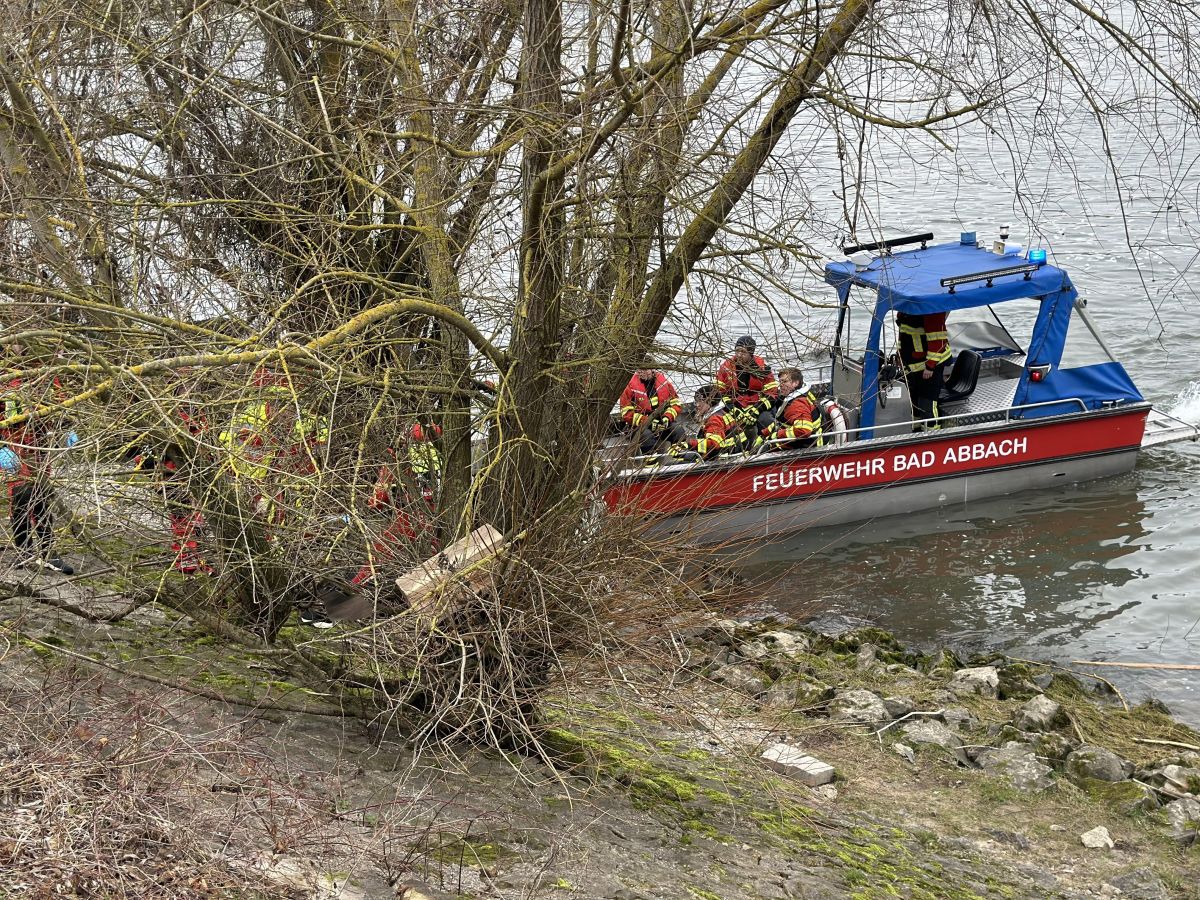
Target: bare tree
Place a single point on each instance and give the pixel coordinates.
(474, 215)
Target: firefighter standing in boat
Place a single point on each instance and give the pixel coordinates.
(747, 385)
(924, 352)
(798, 417)
(650, 407)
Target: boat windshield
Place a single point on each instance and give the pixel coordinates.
(977, 328)
(980, 329)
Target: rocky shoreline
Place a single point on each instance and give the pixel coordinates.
(987, 777)
(1033, 749)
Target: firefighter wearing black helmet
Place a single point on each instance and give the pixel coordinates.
(748, 385)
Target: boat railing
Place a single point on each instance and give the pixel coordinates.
(957, 420)
(1002, 414)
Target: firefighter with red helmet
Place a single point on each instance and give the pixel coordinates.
(924, 352)
(748, 386)
(650, 408)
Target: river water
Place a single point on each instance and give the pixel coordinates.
(1104, 571)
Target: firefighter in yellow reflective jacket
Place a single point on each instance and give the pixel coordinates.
(721, 432)
(924, 352)
(798, 420)
(270, 436)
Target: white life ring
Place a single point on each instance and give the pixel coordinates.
(836, 433)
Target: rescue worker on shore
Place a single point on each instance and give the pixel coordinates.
(273, 445)
(798, 416)
(650, 408)
(924, 352)
(24, 459)
(173, 471)
(419, 464)
(721, 432)
(748, 386)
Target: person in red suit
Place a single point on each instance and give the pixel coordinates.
(419, 466)
(748, 386)
(721, 432)
(650, 408)
(798, 420)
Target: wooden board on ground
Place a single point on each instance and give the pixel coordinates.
(420, 584)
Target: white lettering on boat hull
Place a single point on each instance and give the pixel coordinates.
(910, 464)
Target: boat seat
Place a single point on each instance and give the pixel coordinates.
(964, 376)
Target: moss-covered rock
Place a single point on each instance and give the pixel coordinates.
(1052, 746)
(1127, 797)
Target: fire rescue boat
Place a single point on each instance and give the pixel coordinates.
(1034, 399)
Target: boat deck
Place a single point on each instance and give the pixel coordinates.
(989, 401)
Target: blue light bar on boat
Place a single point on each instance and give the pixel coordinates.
(1026, 269)
(1037, 256)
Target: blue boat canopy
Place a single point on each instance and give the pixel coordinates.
(911, 281)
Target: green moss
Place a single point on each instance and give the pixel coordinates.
(37, 648)
(789, 824)
(693, 828)
(662, 786)
(623, 762)
(701, 893)
(226, 681)
(469, 853)
(1125, 796)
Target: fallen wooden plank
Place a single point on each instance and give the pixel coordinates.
(421, 583)
(1189, 667)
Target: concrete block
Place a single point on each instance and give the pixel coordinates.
(794, 762)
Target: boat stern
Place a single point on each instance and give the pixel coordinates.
(1163, 428)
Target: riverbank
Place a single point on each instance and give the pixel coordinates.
(954, 778)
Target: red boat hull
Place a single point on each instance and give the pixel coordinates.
(885, 476)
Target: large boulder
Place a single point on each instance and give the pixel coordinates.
(747, 679)
(1039, 714)
(983, 680)
(959, 717)
(1097, 839)
(1052, 745)
(1183, 779)
(1018, 763)
(930, 731)
(1090, 761)
(1128, 797)
(867, 657)
(1184, 818)
(898, 707)
(1140, 884)
(753, 650)
(799, 692)
(859, 707)
(789, 644)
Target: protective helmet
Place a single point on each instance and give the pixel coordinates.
(745, 341)
(709, 393)
(421, 433)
